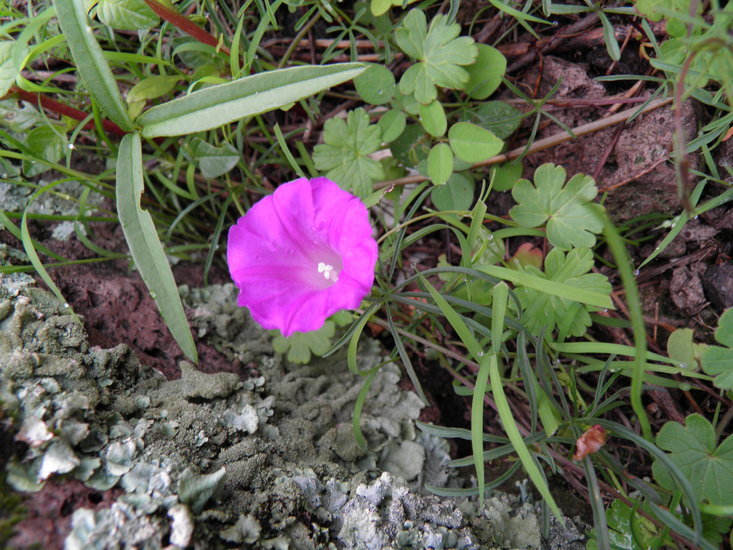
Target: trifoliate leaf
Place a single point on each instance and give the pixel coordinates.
(344, 154)
(376, 85)
(301, 345)
(708, 468)
(718, 360)
(472, 143)
(440, 53)
(456, 194)
(432, 118)
(440, 163)
(545, 312)
(392, 124)
(566, 208)
(485, 74)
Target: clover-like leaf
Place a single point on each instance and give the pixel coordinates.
(344, 153)
(440, 54)
(544, 311)
(708, 468)
(300, 345)
(566, 208)
(718, 360)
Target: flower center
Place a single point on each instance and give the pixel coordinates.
(328, 272)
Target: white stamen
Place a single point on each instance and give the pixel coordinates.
(328, 271)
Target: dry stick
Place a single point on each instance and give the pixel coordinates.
(542, 144)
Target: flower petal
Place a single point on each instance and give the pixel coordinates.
(301, 254)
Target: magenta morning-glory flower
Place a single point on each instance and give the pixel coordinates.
(301, 254)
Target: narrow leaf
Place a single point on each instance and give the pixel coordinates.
(555, 288)
(145, 246)
(90, 61)
(245, 97)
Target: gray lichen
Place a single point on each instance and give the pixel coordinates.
(210, 460)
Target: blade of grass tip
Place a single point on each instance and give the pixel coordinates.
(512, 431)
(500, 294)
(354, 342)
(286, 151)
(623, 263)
(30, 250)
(215, 238)
(477, 424)
(7, 223)
(482, 380)
(359, 405)
(411, 374)
(455, 320)
(145, 246)
(596, 503)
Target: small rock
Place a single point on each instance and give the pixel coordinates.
(718, 284)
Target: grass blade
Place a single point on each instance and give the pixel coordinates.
(30, 250)
(90, 61)
(145, 246)
(623, 262)
(245, 97)
(512, 432)
(477, 424)
(554, 288)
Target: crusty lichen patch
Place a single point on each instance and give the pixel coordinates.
(214, 461)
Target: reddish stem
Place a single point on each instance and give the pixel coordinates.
(186, 25)
(57, 107)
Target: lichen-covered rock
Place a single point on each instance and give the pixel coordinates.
(209, 460)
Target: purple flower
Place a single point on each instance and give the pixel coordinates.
(301, 254)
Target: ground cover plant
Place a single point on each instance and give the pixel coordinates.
(525, 282)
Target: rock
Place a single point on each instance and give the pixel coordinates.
(718, 284)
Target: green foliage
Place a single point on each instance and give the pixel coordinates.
(628, 530)
(566, 208)
(344, 155)
(145, 247)
(245, 97)
(213, 161)
(484, 75)
(440, 164)
(376, 85)
(46, 143)
(440, 54)
(681, 346)
(300, 346)
(127, 15)
(471, 143)
(717, 361)
(692, 448)
(708, 49)
(8, 69)
(455, 194)
(543, 311)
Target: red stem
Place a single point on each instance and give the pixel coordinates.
(57, 107)
(186, 25)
